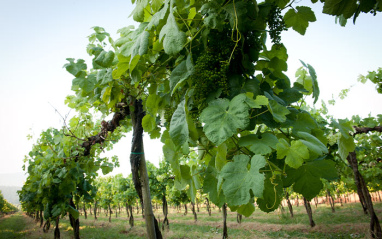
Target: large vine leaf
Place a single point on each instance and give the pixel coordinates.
(139, 48)
(172, 155)
(174, 39)
(313, 144)
(239, 182)
(178, 125)
(340, 7)
(148, 123)
(306, 179)
(272, 195)
(247, 209)
(299, 20)
(222, 118)
(181, 73)
(139, 11)
(210, 185)
(303, 122)
(278, 111)
(344, 126)
(313, 75)
(294, 154)
(221, 157)
(345, 146)
(258, 145)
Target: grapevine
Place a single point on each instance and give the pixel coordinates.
(276, 24)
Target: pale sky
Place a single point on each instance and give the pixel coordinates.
(37, 36)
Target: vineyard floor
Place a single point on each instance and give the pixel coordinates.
(347, 222)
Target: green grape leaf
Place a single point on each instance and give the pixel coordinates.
(344, 126)
(276, 51)
(258, 102)
(239, 182)
(174, 39)
(345, 146)
(313, 144)
(306, 179)
(75, 68)
(193, 132)
(290, 95)
(313, 75)
(294, 154)
(246, 209)
(178, 125)
(222, 118)
(210, 185)
(139, 11)
(303, 122)
(87, 84)
(47, 214)
(272, 195)
(299, 20)
(139, 48)
(73, 212)
(172, 155)
(340, 7)
(152, 103)
(122, 66)
(193, 182)
(181, 73)
(258, 145)
(156, 4)
(158, 16)
(278, 111)
(106, 168)
(141, 44)
(221, 156)
(148, 123)
(105, 59)
(56, 211)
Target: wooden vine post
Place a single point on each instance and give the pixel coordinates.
(139, 171)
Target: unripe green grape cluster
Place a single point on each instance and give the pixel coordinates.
(211, 69)
(276, 24)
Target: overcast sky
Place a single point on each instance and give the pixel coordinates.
(37, 36)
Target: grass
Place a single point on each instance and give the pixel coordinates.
(347, 222)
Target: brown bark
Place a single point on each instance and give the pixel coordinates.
(239, 217)
(309, 211)
(95, 209)
(75, 223)
(194, 212)
(106, 126)
(289, 204)
(208, 207)
(46, 226)
(365, 130)
(363, 192)
(109, 213)
(57, 229)
(41, 219)
(86, 215)
(127, 210)
(185, 209)
(331, 200)
(165, 223)
(224, 210)
(131, 218)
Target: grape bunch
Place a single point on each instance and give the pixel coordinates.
(211, 69)
(276, 24)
